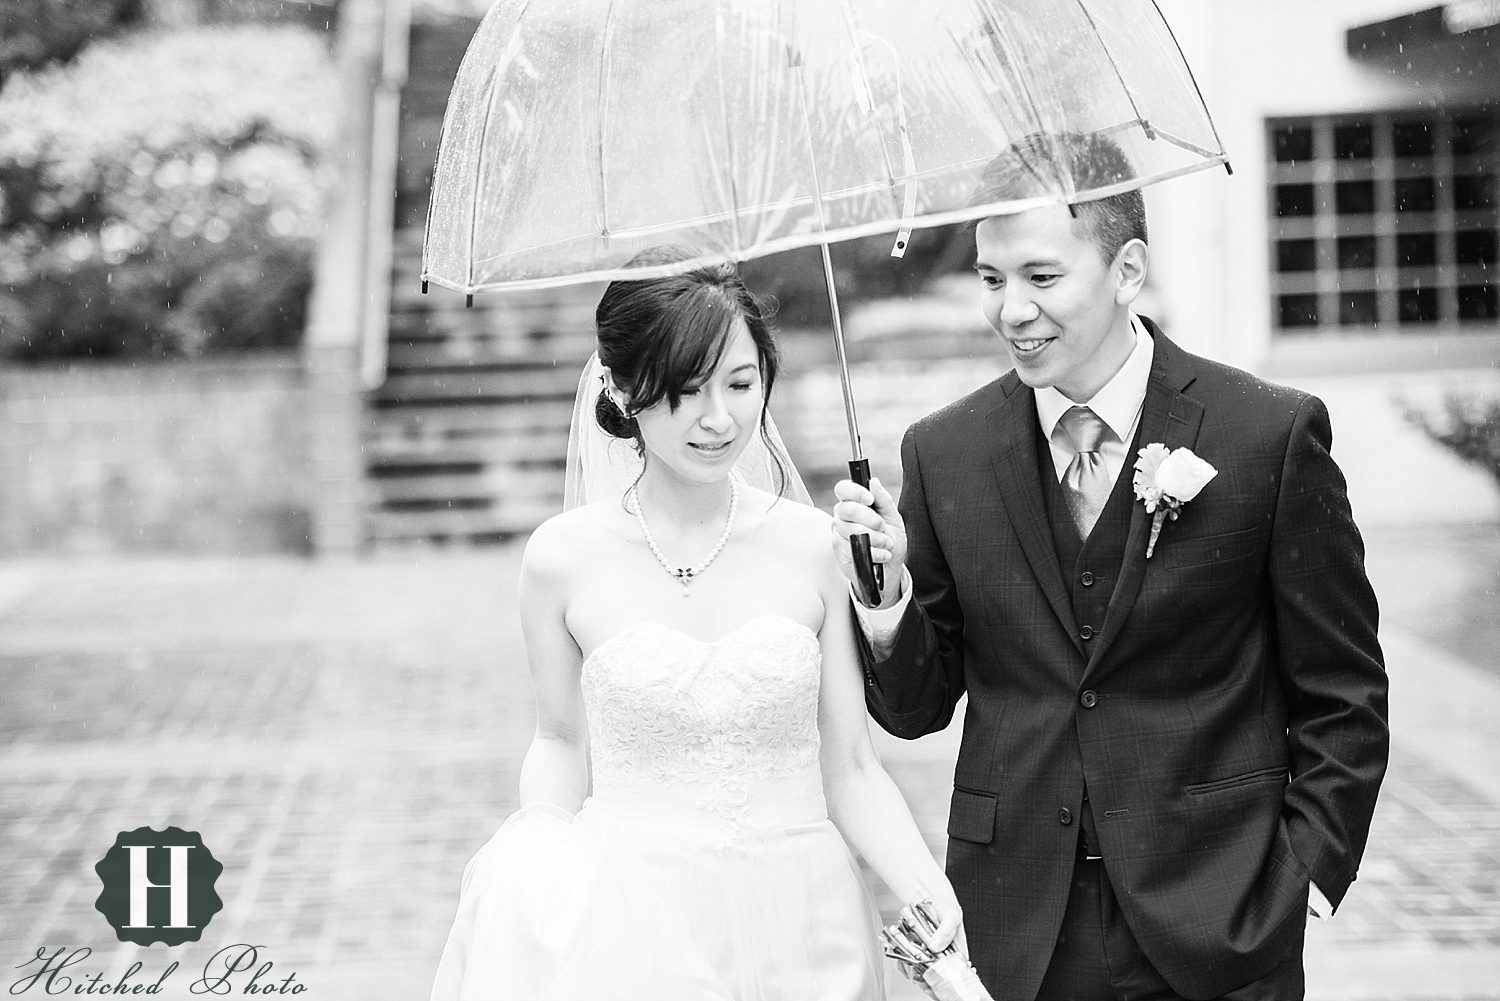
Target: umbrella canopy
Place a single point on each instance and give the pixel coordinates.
(580, 132)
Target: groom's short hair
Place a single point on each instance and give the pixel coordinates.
(1029, 169)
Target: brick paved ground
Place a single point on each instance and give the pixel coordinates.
(344, 734)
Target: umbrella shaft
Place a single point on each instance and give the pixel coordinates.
(838, 347)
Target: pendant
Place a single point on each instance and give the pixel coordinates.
(685, 576)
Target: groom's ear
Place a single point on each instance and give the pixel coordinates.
(1128, 271)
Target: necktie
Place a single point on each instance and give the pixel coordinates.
(1086, 483)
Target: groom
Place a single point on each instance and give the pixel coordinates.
(1170, 754)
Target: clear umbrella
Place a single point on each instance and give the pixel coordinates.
(581, 132)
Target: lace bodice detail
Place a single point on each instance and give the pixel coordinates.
(673, 716)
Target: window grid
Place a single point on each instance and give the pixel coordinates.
(1367, 215)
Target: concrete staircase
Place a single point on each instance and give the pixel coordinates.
(468, 434)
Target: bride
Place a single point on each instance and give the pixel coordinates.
(702, 765)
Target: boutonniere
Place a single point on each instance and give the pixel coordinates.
(1167, 478)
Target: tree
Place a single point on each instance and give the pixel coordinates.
(163, 193)
(34, 33)
(1468, 426)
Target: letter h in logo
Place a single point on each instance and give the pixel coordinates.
(176, 885)
(146, 869)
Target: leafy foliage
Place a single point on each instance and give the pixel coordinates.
(34, 33)
(162, 194)
(1467, 426)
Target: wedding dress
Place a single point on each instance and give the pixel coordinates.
(703, 867)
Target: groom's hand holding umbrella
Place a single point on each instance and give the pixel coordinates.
(872, 510)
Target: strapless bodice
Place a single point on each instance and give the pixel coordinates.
(727, 728)
(703, 866)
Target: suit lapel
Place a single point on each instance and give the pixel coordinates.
(1012, 427)
(1173, 419)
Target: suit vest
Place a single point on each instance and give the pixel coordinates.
(1090, 566)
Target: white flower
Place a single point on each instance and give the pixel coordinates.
(1182, 475)
(1166, 479)
(1146, 487)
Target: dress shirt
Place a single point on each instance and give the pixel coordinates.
(1118, 405)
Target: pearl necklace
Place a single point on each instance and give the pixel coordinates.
(684, 575)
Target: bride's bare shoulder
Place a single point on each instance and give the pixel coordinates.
(799, 526)
(559, 544)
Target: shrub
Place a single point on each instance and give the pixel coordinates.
(1468, 426)
(163, 193)
(34, 33)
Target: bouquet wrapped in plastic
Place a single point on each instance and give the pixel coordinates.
(947, 975)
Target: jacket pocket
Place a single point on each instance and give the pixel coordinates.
(1278, 772)
(1208, 550)
(972, 816)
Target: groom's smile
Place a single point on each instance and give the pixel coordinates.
(1029, 347)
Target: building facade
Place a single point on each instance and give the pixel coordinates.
(1352, 252)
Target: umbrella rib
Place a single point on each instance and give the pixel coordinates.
(1135, 109)
(484, 131)
(1160, 133)
(1182, 58)
(432, 198)
(734, 191)
(857, 51)
(604, 54)
(1191, 147)
(1009, 51)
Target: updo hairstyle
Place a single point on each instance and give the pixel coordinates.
(661, 336)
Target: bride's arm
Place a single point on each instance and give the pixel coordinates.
(863, 802)
(555, 770)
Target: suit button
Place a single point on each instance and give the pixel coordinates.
(1065, 816)
(1087, 579)
(1087, 632)
(1088, 699)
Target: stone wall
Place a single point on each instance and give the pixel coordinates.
(201, 456)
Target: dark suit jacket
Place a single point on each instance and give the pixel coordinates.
(1228, 719)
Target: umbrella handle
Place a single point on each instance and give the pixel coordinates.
(871, 577)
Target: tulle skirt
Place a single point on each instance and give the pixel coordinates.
(637, 902)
